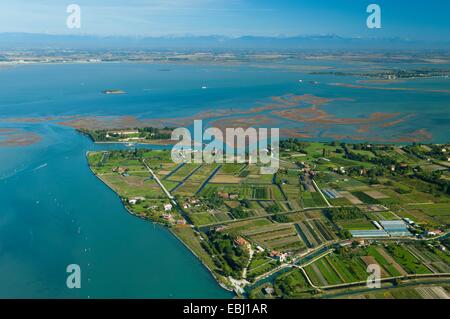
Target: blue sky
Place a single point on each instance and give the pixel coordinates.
(400, 18)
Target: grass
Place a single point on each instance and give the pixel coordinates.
(312, 199)
(356, 224)
(188, 236)
(349, 269)
(410, 263)
(371, 251)
(327, 271)
(365, 198)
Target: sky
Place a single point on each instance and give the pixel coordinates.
(408, 19)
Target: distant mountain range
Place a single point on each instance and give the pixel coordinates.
(47, 41)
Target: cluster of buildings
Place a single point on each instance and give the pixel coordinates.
(192, 203)
(120, 170)
(385, 228)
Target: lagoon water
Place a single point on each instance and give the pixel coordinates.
(54, 212)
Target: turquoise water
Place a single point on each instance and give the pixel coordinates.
(55, 212)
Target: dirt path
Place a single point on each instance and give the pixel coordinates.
(319, 275)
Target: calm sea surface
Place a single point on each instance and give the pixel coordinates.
(54, 212)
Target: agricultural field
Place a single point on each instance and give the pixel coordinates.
(322, 195)
(260, 265)
(312, 199)
(280, 237)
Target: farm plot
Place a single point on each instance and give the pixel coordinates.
(348, 269)
(322, 273)
(310, 235)
(212, 189)
(366, 199)
(258, 208)
(324, 231)
(433, 293)
(193, 182)
(260, 265)
(386, 261)
(408, 262)
(183, 172)
(292, 192)
(231, 168)
(439, 212)
(312, 199)
(281, 237)
(433, 258)
(258, 179)
(225, 179)
(209, 217)
(263, 192)
(376, 194)
(249, 225)
(356, 224)
(133, 186)
(351, 198)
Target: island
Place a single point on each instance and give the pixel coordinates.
(310, 230)
(131, 136)
(114, 92)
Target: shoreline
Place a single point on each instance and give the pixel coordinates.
(222, 285)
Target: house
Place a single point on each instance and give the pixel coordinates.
(167, 207)
(181, 222)
(220, 228)
(120, 170)
(136, 200)
(435, 232)
(168, 217)
(345, 243)
(281, 257)
(260, 249)
(239, 241)
(269, 291)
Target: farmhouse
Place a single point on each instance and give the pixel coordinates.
(281, 257)
(136, 200)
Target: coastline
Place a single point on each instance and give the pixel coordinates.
(216, 279)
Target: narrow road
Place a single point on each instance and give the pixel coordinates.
(169, 195)
(158, 181)
(320, 192)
